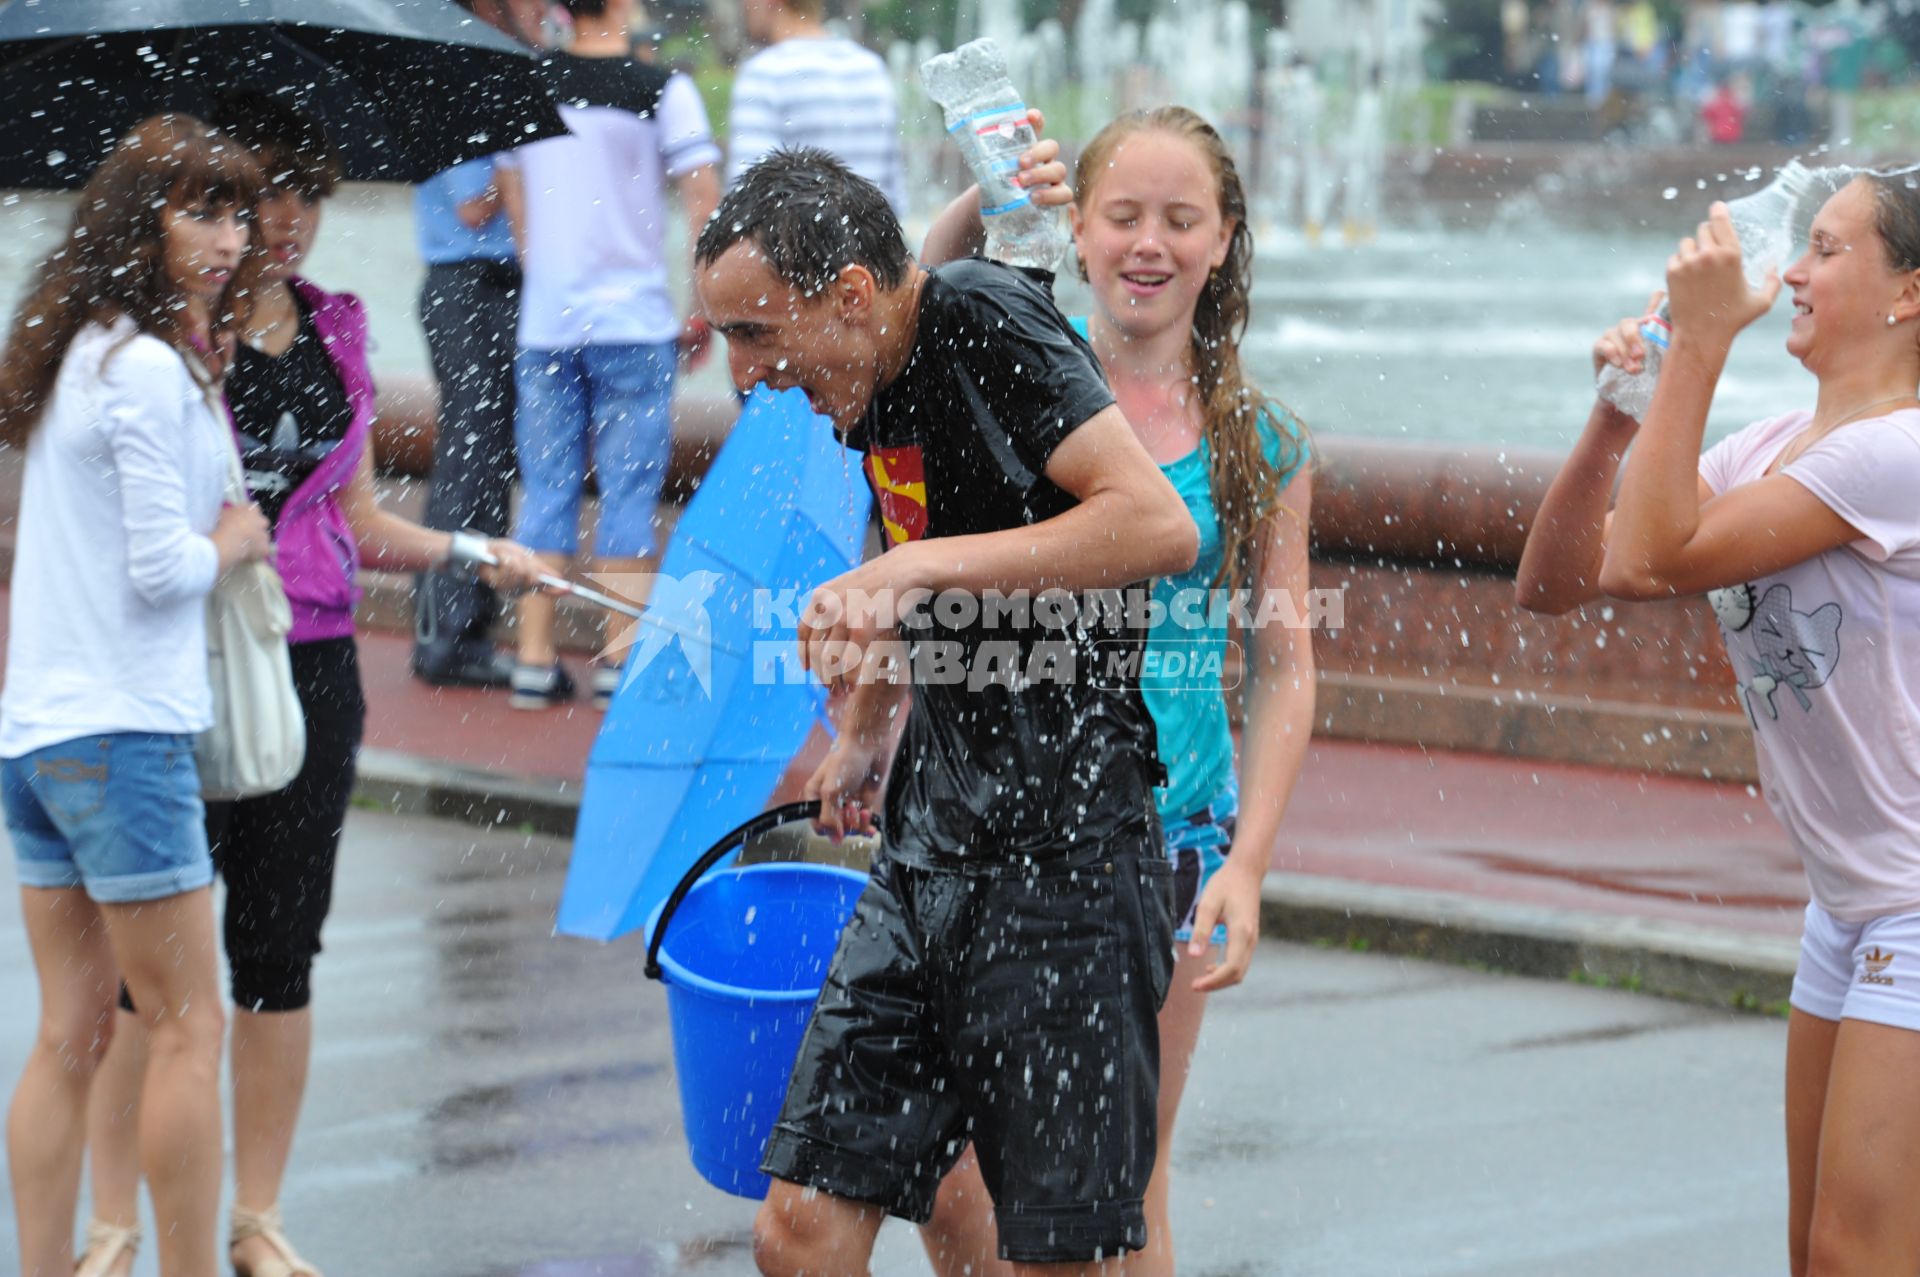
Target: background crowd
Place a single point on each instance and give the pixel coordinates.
(1720, 71)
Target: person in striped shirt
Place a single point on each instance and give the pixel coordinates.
(809, 87)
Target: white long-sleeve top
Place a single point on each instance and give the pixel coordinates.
(125, 476)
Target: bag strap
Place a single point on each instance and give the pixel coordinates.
(237, 493)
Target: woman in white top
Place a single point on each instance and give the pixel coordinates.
(1804, 531)
(106, 385)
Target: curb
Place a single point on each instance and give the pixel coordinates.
(1672, 960)
(409, 785)
(1701, 965)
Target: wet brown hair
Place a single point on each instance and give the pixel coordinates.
(1245, 485)
(1896, 216)
(112, 263)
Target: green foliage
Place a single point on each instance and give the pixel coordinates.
(1887, 119)
(1629, 983)
(1427, 118)
(891, 20)
(1750, 1003)
(1465, 41)
(698, 55)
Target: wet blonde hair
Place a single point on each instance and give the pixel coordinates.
(1244, 483)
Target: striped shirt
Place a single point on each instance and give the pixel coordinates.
(827, 92)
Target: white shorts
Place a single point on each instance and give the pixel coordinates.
(1860, 970)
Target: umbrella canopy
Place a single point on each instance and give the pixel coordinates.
(405, 88)
(712, 710)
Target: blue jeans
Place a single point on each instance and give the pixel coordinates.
(607, 404)
(118, 814)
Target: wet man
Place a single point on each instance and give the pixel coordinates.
(1000, 979)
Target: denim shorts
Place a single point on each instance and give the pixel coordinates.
(118, 814)
(605, 405)
(1197, 844)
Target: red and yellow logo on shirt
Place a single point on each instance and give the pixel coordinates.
(900, 484)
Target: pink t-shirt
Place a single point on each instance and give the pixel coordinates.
(1827, 654)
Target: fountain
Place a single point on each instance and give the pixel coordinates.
(1306, 109)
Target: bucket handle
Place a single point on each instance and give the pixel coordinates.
(773, 818)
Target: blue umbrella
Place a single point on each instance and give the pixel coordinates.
(712, 708)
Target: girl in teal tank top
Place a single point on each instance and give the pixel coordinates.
(1159, 219)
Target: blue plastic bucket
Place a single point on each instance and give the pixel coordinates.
(745, 953)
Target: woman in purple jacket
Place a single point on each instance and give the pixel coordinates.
(302, 403)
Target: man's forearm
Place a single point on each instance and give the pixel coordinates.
(513, 202)
(872, 708)
(1104, 542)
(479, 210)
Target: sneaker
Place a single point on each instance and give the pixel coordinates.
(540, 686)
(606, 682)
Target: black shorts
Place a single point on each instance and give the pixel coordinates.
(1013, 1007)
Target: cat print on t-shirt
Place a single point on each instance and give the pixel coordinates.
(1777, 646)
(1827, 656)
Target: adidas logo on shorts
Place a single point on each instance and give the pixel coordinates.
(1877, 960)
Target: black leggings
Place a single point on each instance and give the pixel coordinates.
(277, 851)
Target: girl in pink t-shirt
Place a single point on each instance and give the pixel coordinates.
(1804, 531)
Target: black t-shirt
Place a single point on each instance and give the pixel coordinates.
(1023, 753)
(291, 410)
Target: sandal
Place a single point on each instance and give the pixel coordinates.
(106, 1243)
(266, 1225)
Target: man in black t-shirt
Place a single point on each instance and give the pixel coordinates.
(1000, 979)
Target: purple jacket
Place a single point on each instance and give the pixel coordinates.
(318, 558)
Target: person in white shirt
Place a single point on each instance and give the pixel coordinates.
(809, 87)
(1804, 532)
(107, 384)
(599, 340)
(1740, 35)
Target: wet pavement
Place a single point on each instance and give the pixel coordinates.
(490, 1101)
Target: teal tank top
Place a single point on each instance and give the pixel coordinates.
(1180, 680)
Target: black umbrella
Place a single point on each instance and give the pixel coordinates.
(404, 88)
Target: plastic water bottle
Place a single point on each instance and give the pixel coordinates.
(1769, 224)
(988, 120)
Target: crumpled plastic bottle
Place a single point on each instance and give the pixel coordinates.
(1769, 223)
(988, 120)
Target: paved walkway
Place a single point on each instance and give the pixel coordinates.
(489, 1100)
